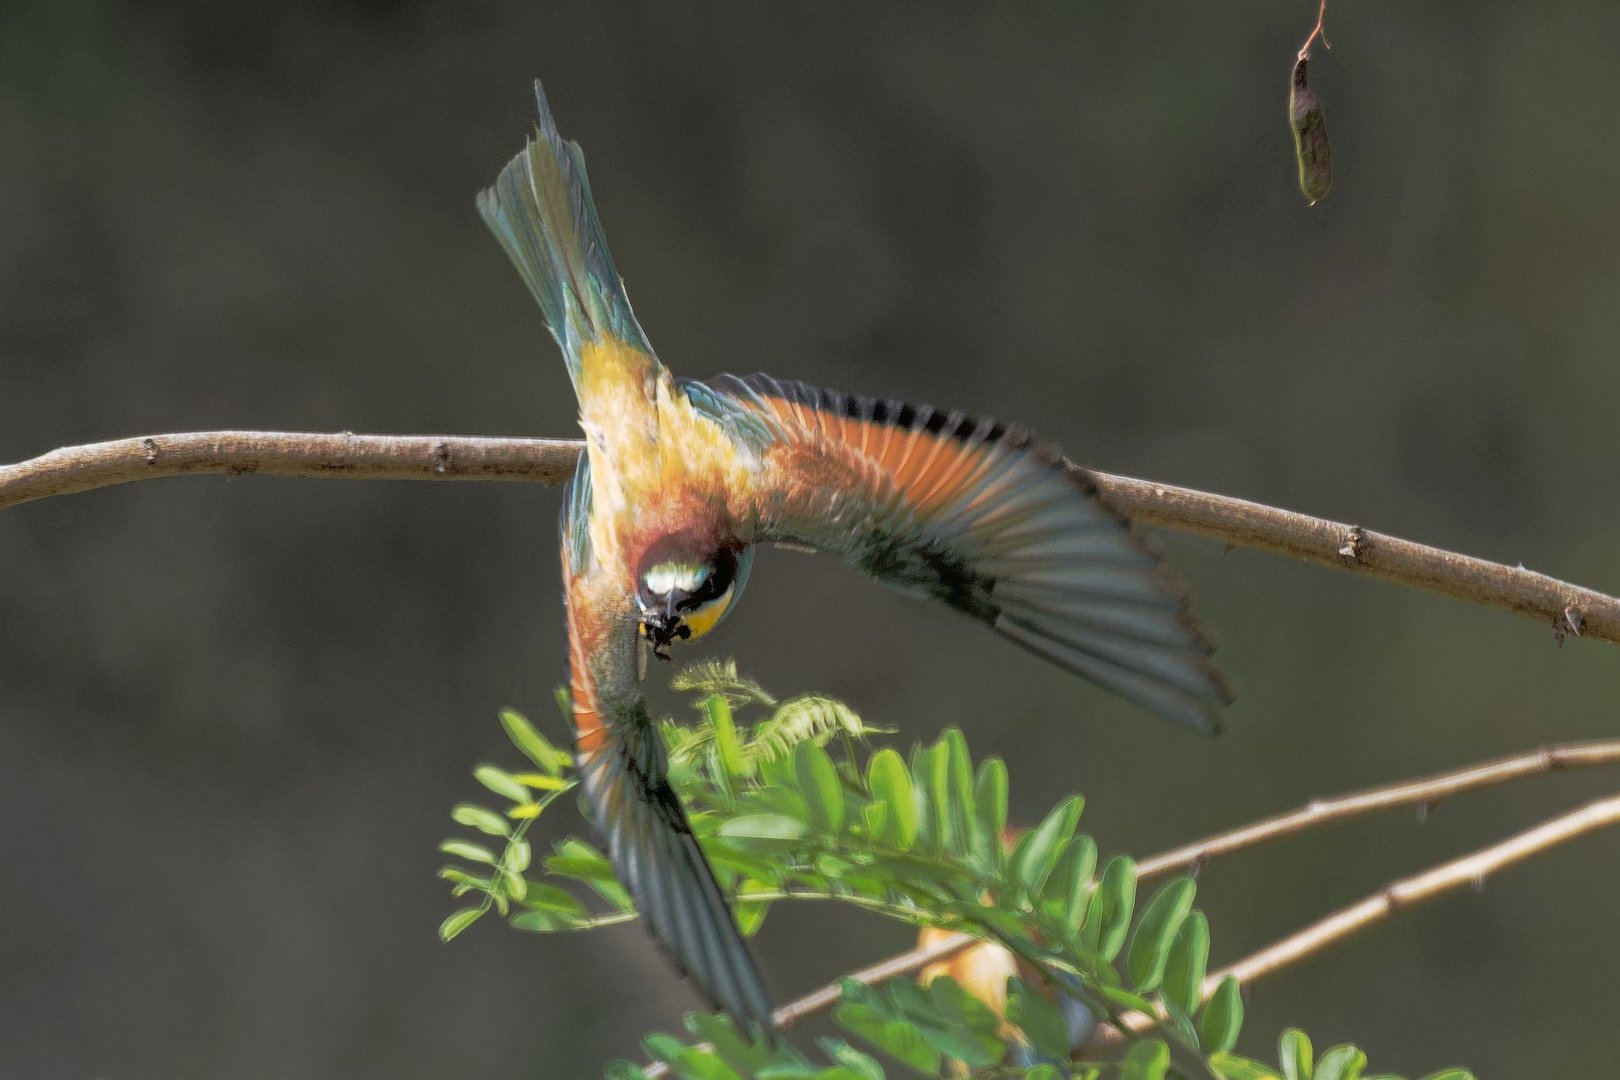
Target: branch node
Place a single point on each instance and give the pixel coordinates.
(150, 445)
(441, 457)
(1355, 541)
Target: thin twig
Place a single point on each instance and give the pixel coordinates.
(1424, 792)
(1569, 609)
(1316, 32)
(1319, 812)
(1469, 871)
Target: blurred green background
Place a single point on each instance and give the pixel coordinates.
(234, 715)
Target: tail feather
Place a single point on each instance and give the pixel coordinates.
(541, 211)
(652, 848)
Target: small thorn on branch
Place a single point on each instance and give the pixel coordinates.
(150, 445)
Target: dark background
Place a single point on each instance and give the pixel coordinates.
(234, 715)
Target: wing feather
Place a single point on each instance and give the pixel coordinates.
(991, 520)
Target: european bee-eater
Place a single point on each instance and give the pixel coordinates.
(681, 480)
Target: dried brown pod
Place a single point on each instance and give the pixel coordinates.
(1312, 153)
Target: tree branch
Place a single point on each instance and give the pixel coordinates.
(1469, 870)
(343, 456)
(1319, 812)
(1569, 609)
(1424, 793)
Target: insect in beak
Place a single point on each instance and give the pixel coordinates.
(660, 628)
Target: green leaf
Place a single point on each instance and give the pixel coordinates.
(1342, 1062)
(1074, 875)
(1223, 1016)
(623, 1070)
(501, 783)
(990, 803)
(717, 676)
(1156, 931)
(750, 915)
(461, 849)
(485, 821)
(459, 921)
(744, 1055)
(777, 828)
(1108, 914)
(959, 791)
(718, 709)
(1125, 999)
(1044, 1072)
(890, 782)
(535, 746)
(1448, 1074)
(540, 921)
(1147, 1060)
(461, 878)
(965, 1031)
(518, 855)
(822, 790)
(896, 1038)
(1039, 1020)
(1188, 963)
(922, 770)
(578, 860)
(696, 1063)
(688, 1062)
(807, 718)
(1294, 1054)
(1179, 1024)
(944, 817)
(1229, 1066)
(858, 1064)
(1038, 850)
(543, 897)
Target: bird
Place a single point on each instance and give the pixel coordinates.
(682, 480)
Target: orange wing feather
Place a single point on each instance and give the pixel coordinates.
(985, 517)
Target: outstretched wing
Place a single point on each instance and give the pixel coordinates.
(624, 773)
(990, 520)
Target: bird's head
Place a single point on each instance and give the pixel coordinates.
(683, 589)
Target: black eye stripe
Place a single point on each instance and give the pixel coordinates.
(722, 570)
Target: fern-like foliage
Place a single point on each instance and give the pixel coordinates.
(795, 807)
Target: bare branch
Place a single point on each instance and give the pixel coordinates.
(343, 456)
(1569, 609)
(1319, 812)
(1470, 871)
(1424, 792)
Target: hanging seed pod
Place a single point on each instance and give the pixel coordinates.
(1311, 150)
